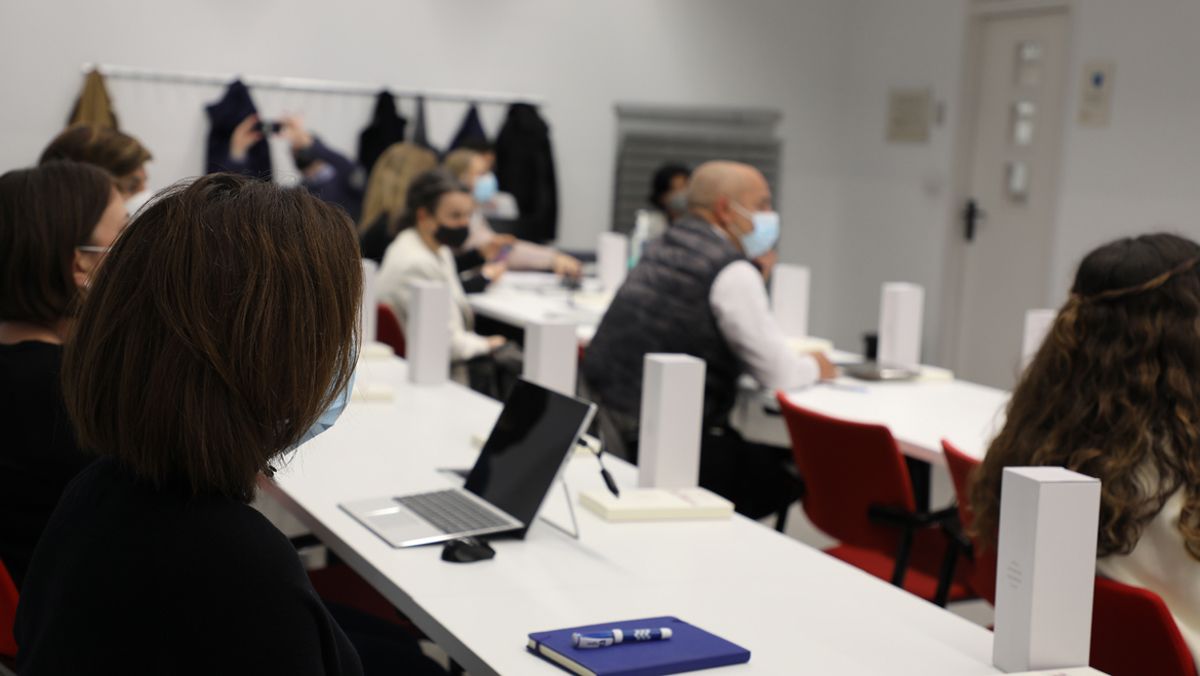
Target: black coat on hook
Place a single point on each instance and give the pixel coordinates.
(386, 127)
(525, 168)
(223, 116)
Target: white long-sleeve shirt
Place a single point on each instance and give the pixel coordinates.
(408, 259)
(739, 301)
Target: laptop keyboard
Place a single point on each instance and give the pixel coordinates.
(452, 512)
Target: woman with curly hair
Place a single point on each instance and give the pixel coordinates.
(1114, 393)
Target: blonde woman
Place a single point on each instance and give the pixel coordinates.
(387, 189)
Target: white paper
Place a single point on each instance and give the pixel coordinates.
(428, 333)
(672, 416)
(789, 298)
(901, 312)
(552, 356)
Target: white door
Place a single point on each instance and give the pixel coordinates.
(1019, 96)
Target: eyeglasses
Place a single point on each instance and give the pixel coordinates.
(91, 248)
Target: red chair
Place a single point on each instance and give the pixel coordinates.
(980, 568)
(8, 614)
(857, 490)
(1133, 632)
(388, 330)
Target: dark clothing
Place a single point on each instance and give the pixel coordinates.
(420, 136)
(223, 117)
(663, 307)
(134, 580)
(471, 129)
(469, 264)
(336, 185)
(39, 456)
(375, 240)
(525, 168)
(386, 128)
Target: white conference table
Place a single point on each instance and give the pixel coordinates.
(796, 609)
(919, 414)
(522, 298)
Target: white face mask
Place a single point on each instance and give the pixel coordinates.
(765, 234)
(137, 201)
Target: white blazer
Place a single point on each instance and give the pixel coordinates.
(408, 259)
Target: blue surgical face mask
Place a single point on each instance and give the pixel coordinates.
(765, 234)
(486, 188)
(331, 414)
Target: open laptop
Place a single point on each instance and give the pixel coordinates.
(532, 439)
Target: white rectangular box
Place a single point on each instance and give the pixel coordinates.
(1046, 568)
(427, 332)
(901, 311)
(1037, 325)
(672, 418)
(789, 298)
(612, 260)
(551, 356)
(370, 311)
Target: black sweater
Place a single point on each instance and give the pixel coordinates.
(38, 456)
(127, 579)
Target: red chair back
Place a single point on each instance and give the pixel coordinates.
(8, 613)
(980, 572)
(847, 468)
(388, 330)
(1133, 633)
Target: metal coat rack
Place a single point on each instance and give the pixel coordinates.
(301, 84)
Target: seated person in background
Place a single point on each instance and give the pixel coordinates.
(470, 168)
(668, 203)
(1112, 393)
(190, 389)
(56, 222)
(695, 292)
(500, 205)
(326, 173)
(435, 221)
(119, 154)
(387, 189)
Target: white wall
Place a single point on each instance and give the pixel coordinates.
(582, 57)
(898, 211)
(1141, 173)
(856, 209)
(895, 198)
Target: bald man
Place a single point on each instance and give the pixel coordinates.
(695, 291)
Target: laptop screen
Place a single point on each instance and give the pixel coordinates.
(531, 439)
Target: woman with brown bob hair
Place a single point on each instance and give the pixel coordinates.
(56, 222)
(221, 329)
(116, 152)
(1114, 393)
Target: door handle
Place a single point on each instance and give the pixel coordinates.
(972, 217)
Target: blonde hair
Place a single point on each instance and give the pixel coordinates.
(458, 162)
(387, 187)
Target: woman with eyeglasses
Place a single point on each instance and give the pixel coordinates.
(56, 224)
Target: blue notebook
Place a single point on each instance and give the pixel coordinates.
(689, 649)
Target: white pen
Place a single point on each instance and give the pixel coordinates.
(603, 639)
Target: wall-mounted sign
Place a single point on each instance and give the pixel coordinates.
(1095, 102)
(910, 114)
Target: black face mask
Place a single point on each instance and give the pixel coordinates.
(451, 237)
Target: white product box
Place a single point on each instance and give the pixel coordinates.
(672, 416)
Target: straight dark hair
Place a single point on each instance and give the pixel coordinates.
(45, 212)
(426, 193)
(222, 324)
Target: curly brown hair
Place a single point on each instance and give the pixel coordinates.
(1113, 393)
